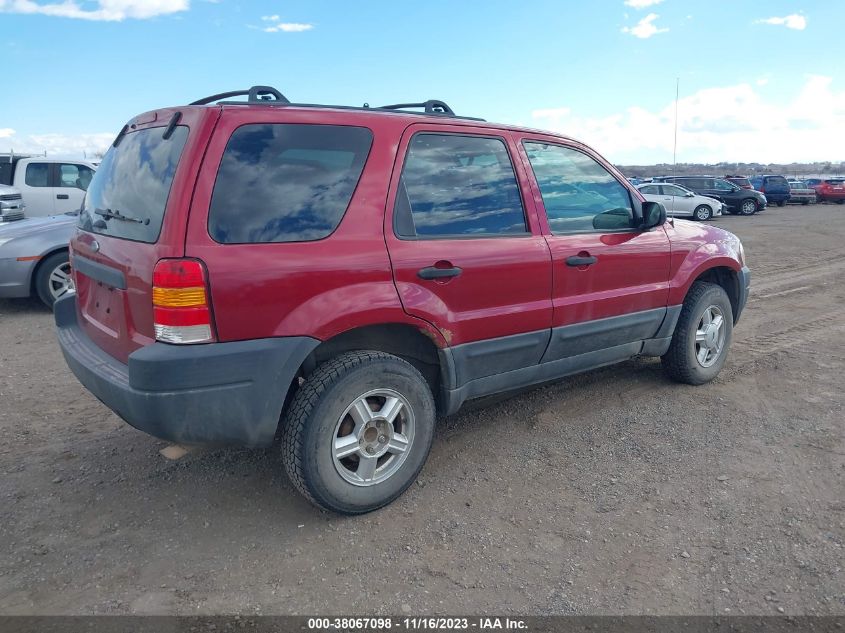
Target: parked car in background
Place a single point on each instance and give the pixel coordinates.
(737, 199)
(50, 186)
(812, 182)
(740, 181)
(634, 181)
(831, 190)
(801, 193)
(346, 275)
(11, 204)
(34, 257)
(682, 202)
(775, 188)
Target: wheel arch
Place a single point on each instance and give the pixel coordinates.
(728, 279)
(414, 344)
(33, 272)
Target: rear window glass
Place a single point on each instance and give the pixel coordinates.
(286, 182)
(133, 182)
(778, 181)
(6, 171)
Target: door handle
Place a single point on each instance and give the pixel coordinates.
(432, 272)
(62, 196)
(577, 260)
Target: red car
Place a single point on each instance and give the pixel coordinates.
(347, 274)
(831, 190)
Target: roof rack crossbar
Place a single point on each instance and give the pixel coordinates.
(432, 106)
(256, 94)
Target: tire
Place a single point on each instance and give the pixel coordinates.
(333, 404)
(52, 278)
(683, 361)
(782, 203)
(748, 207)
(702, 213)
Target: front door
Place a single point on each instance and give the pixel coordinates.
(466, 248)
(682, 204)
(610, 279)
(38, 189)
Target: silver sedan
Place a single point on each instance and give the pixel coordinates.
(34, 257)
(680, 201)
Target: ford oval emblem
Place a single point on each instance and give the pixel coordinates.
(95, 246)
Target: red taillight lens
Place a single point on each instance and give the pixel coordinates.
(181, 310)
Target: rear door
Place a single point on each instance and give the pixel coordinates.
(148, 179)
(610, 279)
(70, 182)
(466, 248)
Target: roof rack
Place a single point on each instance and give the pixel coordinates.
(432, 106)
(256, 94)
(266, 95)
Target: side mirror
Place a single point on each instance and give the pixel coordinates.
(689, 194)
(654, 215)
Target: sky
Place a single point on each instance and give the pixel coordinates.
(759, 80)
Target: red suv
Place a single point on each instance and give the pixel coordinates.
(831, 190)
(344, 275)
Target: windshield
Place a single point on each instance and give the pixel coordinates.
(128, 193)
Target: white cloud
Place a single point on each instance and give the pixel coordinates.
(641, 4)
(289, 27)
(285, 27)
(105, 10)
(732, 123)
(56, 145)
(793, 21)
(762, 81)
(645, 27)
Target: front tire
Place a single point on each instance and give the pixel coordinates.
(702, 336)
(748, 207)
(53, 278)
(358, 431)
(703, 213)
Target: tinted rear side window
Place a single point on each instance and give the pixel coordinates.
(286, 182)
(455, 185)
(133, 180)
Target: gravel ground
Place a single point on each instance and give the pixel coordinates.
(615, 492)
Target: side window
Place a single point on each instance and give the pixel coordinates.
(578, 193)
(76, 176)
(722, 185)
(37, 175)
(455, 185)
(286, 182)
(671, 190)
(653, 190)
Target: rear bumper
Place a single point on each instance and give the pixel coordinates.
(220, 393)
(744, 289)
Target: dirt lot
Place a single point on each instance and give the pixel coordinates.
(613, 492)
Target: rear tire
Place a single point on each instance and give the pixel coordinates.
(700, 343)
(358, 431)
(782, 203)
(53, 278)
(702, 213)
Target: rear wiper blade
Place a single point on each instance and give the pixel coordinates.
(117, 215)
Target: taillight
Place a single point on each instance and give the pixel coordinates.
(181, 309)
